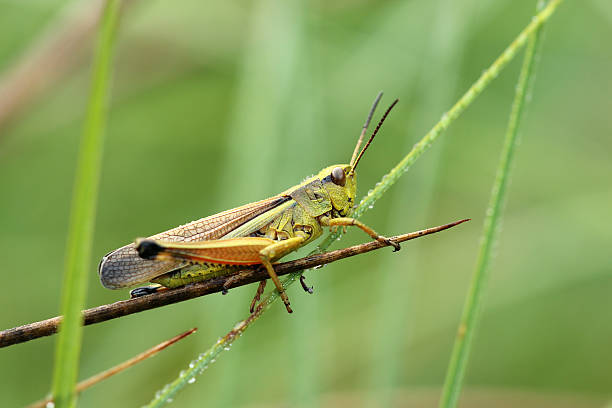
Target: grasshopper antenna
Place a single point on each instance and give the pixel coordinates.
(354, 165)
(365, 127)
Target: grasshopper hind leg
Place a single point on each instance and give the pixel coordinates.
(276, 251)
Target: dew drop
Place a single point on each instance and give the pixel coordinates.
(50, 404)
(191, 380)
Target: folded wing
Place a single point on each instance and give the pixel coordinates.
(124, 267)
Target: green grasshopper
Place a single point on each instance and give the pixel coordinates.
(246, 237)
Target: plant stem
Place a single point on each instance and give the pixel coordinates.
(123, 308)
(469, 318)
(82, 215)
(95, 379)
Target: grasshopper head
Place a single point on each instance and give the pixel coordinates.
(340, 182)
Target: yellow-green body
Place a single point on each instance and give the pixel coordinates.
(254, 234)
(301, 211)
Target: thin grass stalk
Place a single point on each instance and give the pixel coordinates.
(469, 319)
(97, 378)
(271, 61)
(451, 25)
(82, 215)
(224, 343)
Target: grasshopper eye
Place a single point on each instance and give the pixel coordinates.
(338, 176)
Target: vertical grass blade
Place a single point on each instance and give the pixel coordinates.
(451, 24)
(456, 110)
(82, 214)
(259, 120)
(203, 361)
(469, 318)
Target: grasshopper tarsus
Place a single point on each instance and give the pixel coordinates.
(306, 288)
(396, 246)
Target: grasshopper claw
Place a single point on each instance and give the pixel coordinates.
(395, 245)
(304, 286)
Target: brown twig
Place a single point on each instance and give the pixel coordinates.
(83, 385)
(126, 307)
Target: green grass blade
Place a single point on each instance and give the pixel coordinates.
(265, 64)
(451, 24)
(469, 318)
(82, 215)
(205, 359)
(447, 118)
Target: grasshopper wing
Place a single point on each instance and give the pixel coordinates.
(123, 267)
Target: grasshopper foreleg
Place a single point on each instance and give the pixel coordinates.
(346, 222)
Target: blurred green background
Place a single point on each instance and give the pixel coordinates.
(216, 104)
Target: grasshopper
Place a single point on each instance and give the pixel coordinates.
(245, 237)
